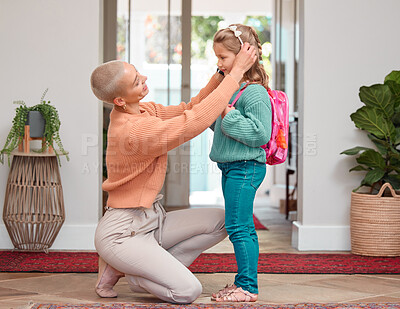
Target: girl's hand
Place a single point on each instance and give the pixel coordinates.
(226, 111)
(244, 61)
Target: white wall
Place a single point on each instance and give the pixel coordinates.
(344, 45)
(55, 45)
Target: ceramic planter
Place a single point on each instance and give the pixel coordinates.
(36, 124)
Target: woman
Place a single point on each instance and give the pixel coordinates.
(135, 236)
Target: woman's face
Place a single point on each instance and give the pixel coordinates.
(134, 84)
(225, 58)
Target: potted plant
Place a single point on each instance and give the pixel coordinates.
(374, 218)
(44, 122)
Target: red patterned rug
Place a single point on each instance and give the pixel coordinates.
(222, 306)
(269, 263)
(258, 225)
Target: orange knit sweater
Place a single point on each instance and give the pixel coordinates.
(138, 143)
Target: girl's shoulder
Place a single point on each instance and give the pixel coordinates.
(256, 92)
(257, 87)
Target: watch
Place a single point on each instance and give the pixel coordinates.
(220, 72)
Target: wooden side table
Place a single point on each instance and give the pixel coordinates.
(34, 205)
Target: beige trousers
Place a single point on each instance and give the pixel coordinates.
(154, 248)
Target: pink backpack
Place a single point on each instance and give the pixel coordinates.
(277, 147)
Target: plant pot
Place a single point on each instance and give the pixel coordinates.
(36, 124)
(375, 223)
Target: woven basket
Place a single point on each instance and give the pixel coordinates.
(375, 223)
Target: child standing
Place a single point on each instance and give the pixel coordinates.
(238, 134)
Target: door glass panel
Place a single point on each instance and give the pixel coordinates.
(152, 34)
(123, 31)
(286, 49)
(207, 18)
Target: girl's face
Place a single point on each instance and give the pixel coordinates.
(225, 58)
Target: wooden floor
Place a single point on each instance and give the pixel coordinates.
(17, 290)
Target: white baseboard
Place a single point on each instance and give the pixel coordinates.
(320, 238)
(5, 241)
(70, 237)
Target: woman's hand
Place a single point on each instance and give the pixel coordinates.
(226, 111)
(243, 61)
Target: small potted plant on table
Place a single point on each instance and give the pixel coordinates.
(44, 123)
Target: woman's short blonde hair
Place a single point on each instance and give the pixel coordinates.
(105, 81)
(226, 37)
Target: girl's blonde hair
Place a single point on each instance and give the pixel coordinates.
(256, 74)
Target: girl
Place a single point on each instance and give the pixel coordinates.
(238, 135)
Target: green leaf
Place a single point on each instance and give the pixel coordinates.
(394, 180)
(372, 159)
(380, 97)
(394, 76)
(396, 118)
(354, 151)
(397, 140)
(395, 89)
(380, 144)
(364, 182)
(394, 152)
(358, 168)
(392, 80)
(372, 120)
(374, 176)
(393, 167)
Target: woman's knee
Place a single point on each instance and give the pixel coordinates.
(189, 293)
(219, 217)
(220, 229)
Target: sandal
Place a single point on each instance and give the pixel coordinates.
(238, 295)
(107, 278)
(224, 291)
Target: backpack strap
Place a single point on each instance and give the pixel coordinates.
(239, 94)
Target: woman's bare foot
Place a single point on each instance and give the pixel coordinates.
(107, 278)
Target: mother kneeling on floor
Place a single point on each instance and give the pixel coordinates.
(136, 237)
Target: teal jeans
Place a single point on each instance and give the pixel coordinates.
(240, 181)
